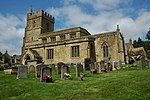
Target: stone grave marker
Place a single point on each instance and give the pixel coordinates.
(91, 66)
(38, 69)
(116, 65)
(22, 72)
(59, 67)
(87, 61)
(83, 63)
(46, 74)
(79, 69)
(52, 66)
(64, 69)
(102, 66)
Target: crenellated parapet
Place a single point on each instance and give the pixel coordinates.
(40, 13)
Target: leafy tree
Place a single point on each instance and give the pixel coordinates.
(7, 58)
(148, 35)
(138, 43)
(1, 56)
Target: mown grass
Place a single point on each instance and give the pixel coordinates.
(115, 85)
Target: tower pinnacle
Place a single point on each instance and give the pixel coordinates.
(30, 9)
(118, 29)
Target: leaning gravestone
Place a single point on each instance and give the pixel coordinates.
(22, 72)
(64, 69)
(79, 69)
(46, 74)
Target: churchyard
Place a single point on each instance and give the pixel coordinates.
(125, 84)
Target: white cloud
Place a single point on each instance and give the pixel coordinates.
(74, 13)
(110, 15)
(105, 4)
(11, 34)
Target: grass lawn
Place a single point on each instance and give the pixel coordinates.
(115, 85)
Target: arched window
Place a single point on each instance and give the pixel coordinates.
(105, 50)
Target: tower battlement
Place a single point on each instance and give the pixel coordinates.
(40, 13)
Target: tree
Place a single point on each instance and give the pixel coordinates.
(148, 35)
(1, 56)
(7, 58)
(138, 43)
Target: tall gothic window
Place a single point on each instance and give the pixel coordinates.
(75, 51)
(50, 53)
(105, 50)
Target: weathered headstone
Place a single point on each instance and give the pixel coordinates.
(116, 65)
(79, 69)
(83, 63)
(119, 64)
(64, 69)
(38, 69)
(102, 65)
(91, 66)
(46, 74)
(99, 67)
(87, 62)
(22, 72)
(59, 67)
(52, 66)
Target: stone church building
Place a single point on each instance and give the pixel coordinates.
(41, 44)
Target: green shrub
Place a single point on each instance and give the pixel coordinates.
(1, 68)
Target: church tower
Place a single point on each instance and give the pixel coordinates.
(37, 23)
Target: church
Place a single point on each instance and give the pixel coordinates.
(41, 44)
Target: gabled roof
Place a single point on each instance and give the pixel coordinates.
(36, 54)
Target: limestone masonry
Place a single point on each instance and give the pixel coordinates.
(41, 44)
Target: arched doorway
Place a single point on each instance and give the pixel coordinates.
(27, 59)
(32, 69)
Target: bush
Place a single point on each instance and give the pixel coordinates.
(1, 68)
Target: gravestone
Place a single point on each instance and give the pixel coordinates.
(59, 67)
(52, 66)
(102, 65)
(64, 69)
(91, 66)
(38, 69)
(116, 65)
(46, 74)
(99, 67)
(119, 64)
(79, 69)
(83, 63)
(87, 61)
(22, 72)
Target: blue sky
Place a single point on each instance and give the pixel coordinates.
(96, 16)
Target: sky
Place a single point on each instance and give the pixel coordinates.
(96, 16)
